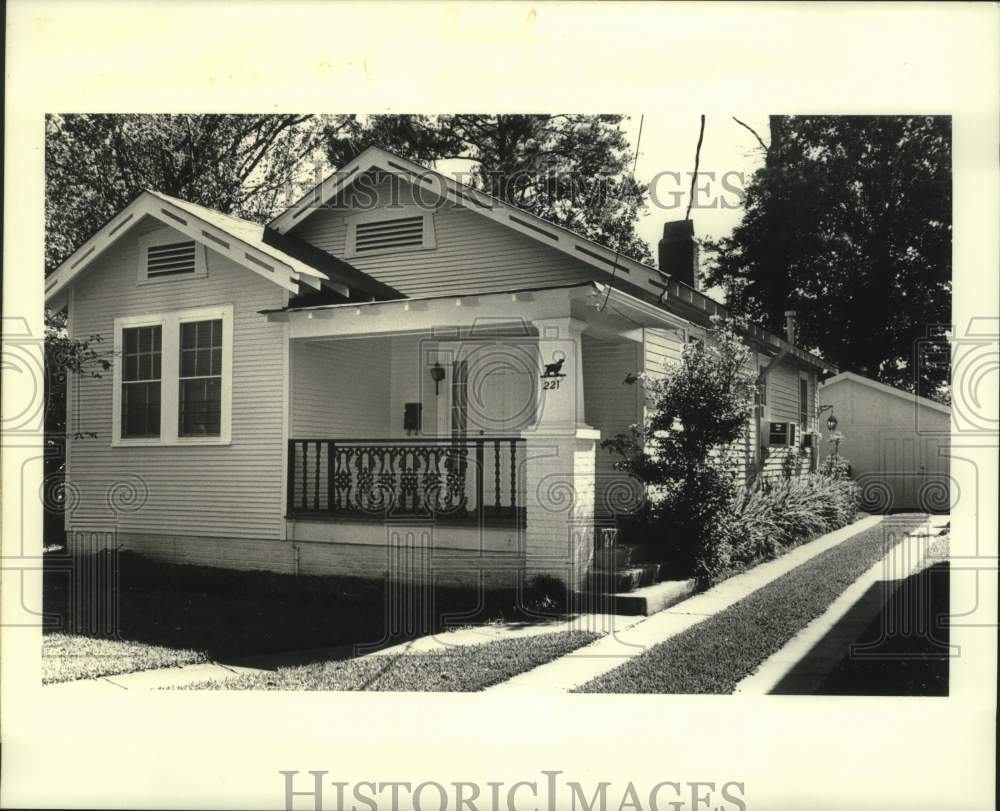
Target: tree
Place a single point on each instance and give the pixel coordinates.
(686, 451)
(64, 356)
(849, 223)
(572, 170)
(96, 164)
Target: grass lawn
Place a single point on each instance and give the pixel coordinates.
(165, 614)
(463, 669)
(69, 656)
(715, 655)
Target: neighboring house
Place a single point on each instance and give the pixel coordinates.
(398, 374)
(896, 442)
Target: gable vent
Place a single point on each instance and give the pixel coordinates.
(404, 232)
(170, 260)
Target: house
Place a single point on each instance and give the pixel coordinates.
(897, 443)
(397, 375)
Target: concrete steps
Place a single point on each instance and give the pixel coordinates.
(631, 580)
(623, 556)
(613, 581)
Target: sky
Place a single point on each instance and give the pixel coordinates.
(667, 148)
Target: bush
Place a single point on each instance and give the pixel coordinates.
(836, 467)
(769, 517)
(685, 451)
(545, 594)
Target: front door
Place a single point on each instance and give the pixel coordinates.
(491, 397)
(491, 390)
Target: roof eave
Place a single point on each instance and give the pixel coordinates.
(153, 204)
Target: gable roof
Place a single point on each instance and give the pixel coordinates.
(909, 396)
(636, 278)
(240, 240)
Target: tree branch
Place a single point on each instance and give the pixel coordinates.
(752, 131)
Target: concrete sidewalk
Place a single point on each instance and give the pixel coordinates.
(577, 668)
(179, 677)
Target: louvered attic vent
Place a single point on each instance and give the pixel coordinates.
(170, 260)
(404, 232)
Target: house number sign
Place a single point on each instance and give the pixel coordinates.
(552, 374)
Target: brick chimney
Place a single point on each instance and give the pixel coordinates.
(679, 252)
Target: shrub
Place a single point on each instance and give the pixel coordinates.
(545, 594)
(684, 451)
(836, 467)
(770, 516)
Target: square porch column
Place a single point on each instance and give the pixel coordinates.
(560, 455)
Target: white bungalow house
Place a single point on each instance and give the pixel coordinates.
(397, 375)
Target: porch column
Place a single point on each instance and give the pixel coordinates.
(560, 458)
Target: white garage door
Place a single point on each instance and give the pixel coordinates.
(914, 473)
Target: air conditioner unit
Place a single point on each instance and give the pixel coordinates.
(781, 434)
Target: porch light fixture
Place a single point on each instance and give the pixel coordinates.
(437, 375)
(831, 423)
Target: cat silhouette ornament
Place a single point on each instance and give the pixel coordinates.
(554, 369)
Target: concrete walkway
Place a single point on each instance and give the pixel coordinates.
(802, 665)
(481, 634)
(577, 668)
(178, 677)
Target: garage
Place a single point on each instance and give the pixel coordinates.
(896, 442)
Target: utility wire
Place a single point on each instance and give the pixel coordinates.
(697, 160)
(621, 234)
(694, 180)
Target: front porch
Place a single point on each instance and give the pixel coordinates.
(455, 481)
(466, 425)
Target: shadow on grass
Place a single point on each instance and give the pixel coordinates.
(886, 644)
(232, 616)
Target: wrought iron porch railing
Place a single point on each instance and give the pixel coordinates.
(465, 478)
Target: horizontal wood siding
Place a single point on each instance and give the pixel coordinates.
(783, 406)
(783, 393)
(340, 388)
(662, 350)
(611, 406)
(207, 490)
(410, 382)
(473, 254)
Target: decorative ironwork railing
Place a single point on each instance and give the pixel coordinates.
(460, 478)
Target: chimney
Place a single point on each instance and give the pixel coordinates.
(790, 326)
(679, 252)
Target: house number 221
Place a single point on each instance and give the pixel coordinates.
(551, 384)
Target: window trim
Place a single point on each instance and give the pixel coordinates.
(166, 236)
(764, 392)
(428, 242)
(809, 412)
(170, 377)
(158, 380)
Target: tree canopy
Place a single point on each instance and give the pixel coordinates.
(849, 223)
(96, 164)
